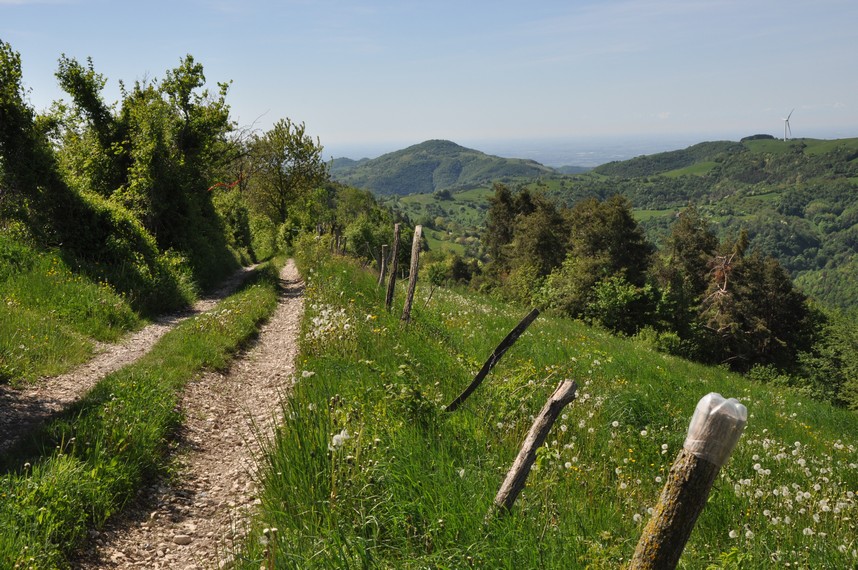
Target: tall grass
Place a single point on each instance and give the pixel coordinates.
(369, 471)
(50, 315)
(83, 467)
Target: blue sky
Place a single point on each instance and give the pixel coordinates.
(373, 74)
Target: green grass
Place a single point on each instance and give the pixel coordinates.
(812, 146)
(50, 315)
(369, 471)
(815, 146)
(772, 146)
(440, 241)
(698, 169)
(83, 467)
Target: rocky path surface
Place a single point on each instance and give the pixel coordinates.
(193, 520)
(26, 408)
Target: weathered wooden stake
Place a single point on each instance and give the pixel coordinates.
(394, 267)
(715, 428)
(494, 357)
(517, 476)
(412, 274)
(382, 266)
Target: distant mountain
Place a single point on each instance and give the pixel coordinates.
(430, 166)
(663, 162)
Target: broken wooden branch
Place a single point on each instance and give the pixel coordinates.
(493, 359)
(517, 475)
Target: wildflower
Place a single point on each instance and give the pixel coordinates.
(807, 531)
(615, 423)
(734, 534)
(461, 473)
(643, 433)
(306, 373)
(339, 439)
(749, 534)
(636, 518)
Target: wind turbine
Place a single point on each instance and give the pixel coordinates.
(786, 125)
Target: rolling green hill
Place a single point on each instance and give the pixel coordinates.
(798, 200)
(430, 166)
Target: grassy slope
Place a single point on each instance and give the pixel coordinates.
(369, 470)
(83, 467)
(49, 315)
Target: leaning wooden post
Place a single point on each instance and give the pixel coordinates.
(412, 274)
(494, 357)
(394, 267)
(383, 265)
(714, 431)
(517, 476)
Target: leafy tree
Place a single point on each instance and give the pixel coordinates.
(500, 223)
(682, 274)
(753, 310)
(605, 244)
(287, 167)
(539, 235)
(95, 236)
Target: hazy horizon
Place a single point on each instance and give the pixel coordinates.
(585, 151)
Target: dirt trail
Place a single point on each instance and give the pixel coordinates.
(194, 520)
(25, 409)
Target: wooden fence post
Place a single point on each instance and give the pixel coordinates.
(494, 357)
(412, 274)
(517, 475)
(382, 266)
(713, 433)
(394, 267)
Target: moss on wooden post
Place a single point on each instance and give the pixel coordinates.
(714, 431)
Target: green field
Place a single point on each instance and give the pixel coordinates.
(370, 471)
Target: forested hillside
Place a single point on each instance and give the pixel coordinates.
(430, 166)
(797, 199)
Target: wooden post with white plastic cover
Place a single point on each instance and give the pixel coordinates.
(713, 433)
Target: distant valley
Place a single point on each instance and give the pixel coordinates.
(798, 199)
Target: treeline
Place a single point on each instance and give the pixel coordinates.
(160, 195)
(717, 301)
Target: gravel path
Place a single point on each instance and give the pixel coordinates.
(24, 409)
(194, 519)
